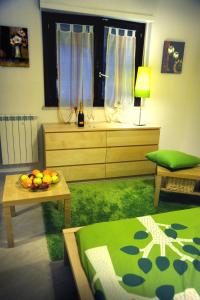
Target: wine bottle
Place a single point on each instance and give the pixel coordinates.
(81, 116)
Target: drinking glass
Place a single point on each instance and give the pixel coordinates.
(89, 116)
(93, 116)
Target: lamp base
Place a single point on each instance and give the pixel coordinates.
(140, 124)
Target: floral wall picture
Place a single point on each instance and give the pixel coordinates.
(14, 47)
(172, 59)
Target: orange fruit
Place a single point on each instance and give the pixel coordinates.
(27, 183)
(47, 172)
(34, 172)
(54, 174)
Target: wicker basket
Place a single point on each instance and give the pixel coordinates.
(180, 185)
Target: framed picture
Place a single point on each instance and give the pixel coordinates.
(172, 59)
(14, 47)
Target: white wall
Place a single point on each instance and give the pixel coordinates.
(175, 98)
(174, 103)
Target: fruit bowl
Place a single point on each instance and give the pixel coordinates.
(39, 180)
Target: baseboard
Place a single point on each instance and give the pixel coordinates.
(19, 168)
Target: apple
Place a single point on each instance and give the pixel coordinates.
(39, 175)
(47, 179)
(55, 179)
(24, 177)
(37, 180)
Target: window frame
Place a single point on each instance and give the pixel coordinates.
(49, 20)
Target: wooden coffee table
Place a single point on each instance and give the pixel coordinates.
(14, 194)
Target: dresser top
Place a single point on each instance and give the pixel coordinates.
(61, 127)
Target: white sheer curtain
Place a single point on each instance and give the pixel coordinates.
(75, 67)
(120, 69)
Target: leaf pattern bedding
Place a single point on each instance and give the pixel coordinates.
(150, 257)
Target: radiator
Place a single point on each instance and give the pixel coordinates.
(19, 139)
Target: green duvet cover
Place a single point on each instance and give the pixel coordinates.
(150, 257)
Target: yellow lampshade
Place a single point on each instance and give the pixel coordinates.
(142, 86)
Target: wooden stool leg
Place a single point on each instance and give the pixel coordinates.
(158, 180)
(67, 212)
(8, 225)
(66, 258)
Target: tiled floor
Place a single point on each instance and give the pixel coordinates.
(26, 272)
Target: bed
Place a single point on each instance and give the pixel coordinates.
(149, 257)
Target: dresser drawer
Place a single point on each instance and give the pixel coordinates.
(132, 137)
(130, 168)
(71, 140)
(106, 151)
(75, 157)
(117, 154)
(86, 172)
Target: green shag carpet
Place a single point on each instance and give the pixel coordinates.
(106, 201)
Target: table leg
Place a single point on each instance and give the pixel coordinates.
(67, 213)
(8, 225)
(12, 210)
(59, 204)
(158, 180)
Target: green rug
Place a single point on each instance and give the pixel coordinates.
(105, 201)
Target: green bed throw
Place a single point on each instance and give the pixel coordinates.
(150, 257)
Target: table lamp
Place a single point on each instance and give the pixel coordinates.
(142, 86)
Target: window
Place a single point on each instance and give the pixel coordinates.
(100, 25)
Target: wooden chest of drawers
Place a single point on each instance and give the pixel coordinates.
(108, 150)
